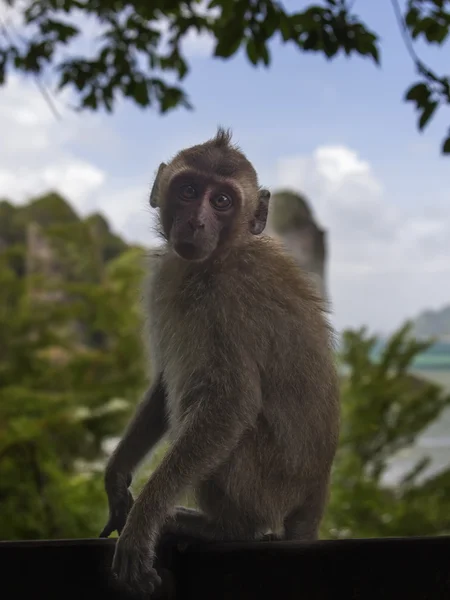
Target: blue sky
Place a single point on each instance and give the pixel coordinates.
(337, 130)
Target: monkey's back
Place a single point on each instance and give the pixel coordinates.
(298, 429)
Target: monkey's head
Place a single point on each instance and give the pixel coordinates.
(208, 198)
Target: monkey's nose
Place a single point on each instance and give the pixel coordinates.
(195, 224)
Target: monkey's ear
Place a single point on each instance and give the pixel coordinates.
(154, 192)
(258, 223)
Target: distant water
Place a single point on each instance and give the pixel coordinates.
(436, 358)
(434, 442)
(434, 366)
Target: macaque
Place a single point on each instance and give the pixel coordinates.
(244, 380)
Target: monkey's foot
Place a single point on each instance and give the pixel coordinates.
(167, 589)
(272, 537)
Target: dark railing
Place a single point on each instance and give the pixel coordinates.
(380, 569)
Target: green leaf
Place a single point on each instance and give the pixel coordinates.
(427, 114)
(170, 99)
(271, 23)
(140, 93)
(419, 93)
(330, 46)
(411, 17)
(285, 27)
(90, 101)
(65, 79)
(227, 46)
(435, 32)
(365, 42)
(374, 53)
(312, 42)
(264, 53)
(446, 146)
(3, 60)
(251, 51)
(107, 99)
(182, 68)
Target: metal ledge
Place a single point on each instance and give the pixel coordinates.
(372, 569)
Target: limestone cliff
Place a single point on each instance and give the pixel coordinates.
(292, 221)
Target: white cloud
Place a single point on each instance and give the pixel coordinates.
(39, 153)
(34, 154)
(385, 263)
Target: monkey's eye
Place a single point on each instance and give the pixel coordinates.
(221, 202)
(188, 192)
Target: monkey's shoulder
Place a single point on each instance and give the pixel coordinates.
(254, 284)
(278, 274)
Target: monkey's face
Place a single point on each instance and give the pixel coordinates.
(199, 213)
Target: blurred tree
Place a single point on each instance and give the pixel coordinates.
(140, 43)
(10, 231)
(64, 392)
(111, 244)
(385, 409)
(48, 209)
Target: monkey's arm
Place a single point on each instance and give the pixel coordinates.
(219, 409)
(144, 431)
(221, 405)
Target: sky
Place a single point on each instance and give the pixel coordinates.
(337, 131)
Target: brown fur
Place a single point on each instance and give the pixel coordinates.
(241, 347)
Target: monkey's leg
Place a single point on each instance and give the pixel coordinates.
(303, 523)
(195, 523)
(219, 517)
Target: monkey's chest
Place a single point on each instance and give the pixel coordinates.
(179, 338)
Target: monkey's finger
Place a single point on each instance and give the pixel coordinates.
(105, 533)
(120, 528)
(107, 530)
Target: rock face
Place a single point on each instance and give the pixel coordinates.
(433, 324)
(41, 260)
(291, 220)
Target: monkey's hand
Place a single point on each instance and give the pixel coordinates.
(120, 503)
(132, 567)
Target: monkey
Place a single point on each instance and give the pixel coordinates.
(244, 381)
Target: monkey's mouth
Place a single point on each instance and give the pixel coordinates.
(188, 250)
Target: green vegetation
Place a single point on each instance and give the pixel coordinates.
(72, 369)
(384, 410)
(140, 44)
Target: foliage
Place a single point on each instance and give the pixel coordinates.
(111, 245)
(428, 20)
(384, 411)
(49, 209)
(69, 377)
(72, 238)
(9, 231)
(140, 44)
(290, 210)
